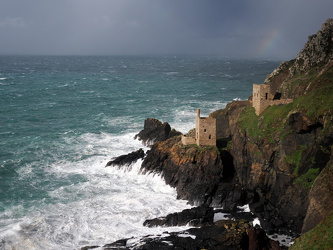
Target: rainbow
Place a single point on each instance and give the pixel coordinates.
(269, 43)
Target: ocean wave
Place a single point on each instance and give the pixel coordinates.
(86, 202)
(110, 205)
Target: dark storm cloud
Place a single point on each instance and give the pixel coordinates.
(257, 28)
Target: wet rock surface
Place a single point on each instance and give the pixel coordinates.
(226, 234)
(155, 131)
(197, 216)
(283, 172)
(127, 160)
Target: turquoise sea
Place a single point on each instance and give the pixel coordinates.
(64, 117)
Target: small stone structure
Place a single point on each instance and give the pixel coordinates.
(205, 132)
(262, 98)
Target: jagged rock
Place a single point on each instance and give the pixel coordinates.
(221, 235)
(127, 160)
(155, 131)
(317, 54)
(195, 171)
(259, 240)
(318, 50)
(321, 198)
(117, 245)
(197, 216)
(227, 117)
(89, 247)
(269, 161)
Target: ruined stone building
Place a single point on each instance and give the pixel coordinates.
(205, 132)
(262, 98)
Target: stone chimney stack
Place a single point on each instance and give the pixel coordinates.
(198, 112)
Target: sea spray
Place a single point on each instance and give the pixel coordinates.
(64, 118)
(110, 204)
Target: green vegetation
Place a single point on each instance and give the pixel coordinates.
(195, 150)
(294, 159)
(319, 238)
(316, 104)
(306, 180)
(249, 122)
(269, 125)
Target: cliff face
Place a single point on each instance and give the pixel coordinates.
(279, 154)
(279, 164)
(271, 161)
(316, 56)
(195, 171)
(320, 197)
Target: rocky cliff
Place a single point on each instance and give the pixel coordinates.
(298, 77)
(279, 162)
(155, 131)
(270, 161)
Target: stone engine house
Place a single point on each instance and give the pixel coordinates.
(205, 132)
(262, 98)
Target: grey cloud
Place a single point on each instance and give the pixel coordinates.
(255, 28)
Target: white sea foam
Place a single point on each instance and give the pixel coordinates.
(107, 203)
(221, 216)
(256, 221)
(184, 119)
(284, 240)
(171, 73)
(245, 208)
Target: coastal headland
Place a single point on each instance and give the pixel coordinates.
(278, 162)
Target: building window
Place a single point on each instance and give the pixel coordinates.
(205, 130)
(209, 137)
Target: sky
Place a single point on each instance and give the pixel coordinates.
(265, 29)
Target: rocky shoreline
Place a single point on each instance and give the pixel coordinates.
(235, 230)
(279, 162)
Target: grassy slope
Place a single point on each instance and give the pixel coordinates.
(320, 237)
(317, 105)
(270, 126)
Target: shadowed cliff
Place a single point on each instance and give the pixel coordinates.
(279, 162)
(272, 160)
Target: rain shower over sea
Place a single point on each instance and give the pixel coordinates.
(64, 117)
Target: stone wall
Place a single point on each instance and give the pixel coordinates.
(282, 101)
(205, 134)
(262, 98)
(187, 140)
(205, 131)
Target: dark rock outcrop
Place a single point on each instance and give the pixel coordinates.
(155, 131)
(127, 160)
(317, 51)
(317, 54)
(268, 161)
(195, 171)
(197, 216)
(320, 198)
(221, 235)
(279, 162)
